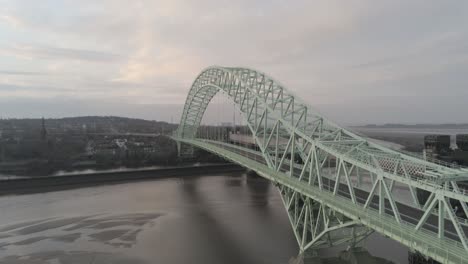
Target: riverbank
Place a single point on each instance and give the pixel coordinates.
(54, 183)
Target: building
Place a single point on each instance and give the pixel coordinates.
(438, 147)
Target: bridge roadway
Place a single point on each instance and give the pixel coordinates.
(407, 213)
(271, 111)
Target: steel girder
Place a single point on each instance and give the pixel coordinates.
(315, 225)
(332, 159)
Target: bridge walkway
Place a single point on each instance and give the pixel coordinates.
(447, 250)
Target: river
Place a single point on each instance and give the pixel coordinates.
(228, 218)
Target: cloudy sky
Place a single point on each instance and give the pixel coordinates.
(356, 61)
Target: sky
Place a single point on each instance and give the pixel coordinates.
(357, 62)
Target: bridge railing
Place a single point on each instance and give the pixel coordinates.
(385, 224)
(433, 160)
(419, 155)
(393, 228)
(256, 155)
(446, 250)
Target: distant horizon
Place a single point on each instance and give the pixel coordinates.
(370, 125)
(344, 114)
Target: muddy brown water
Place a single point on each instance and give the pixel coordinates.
(226, 218)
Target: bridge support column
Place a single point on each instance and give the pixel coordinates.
(178, 148)
(316, 226)
(184, 151)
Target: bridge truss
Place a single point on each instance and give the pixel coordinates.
(337, 186)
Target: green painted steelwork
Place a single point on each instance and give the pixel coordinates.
(343, 186)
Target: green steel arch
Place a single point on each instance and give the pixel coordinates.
(326, 201)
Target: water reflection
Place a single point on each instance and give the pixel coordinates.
(217, 235)
(212, 219)
(356, 255)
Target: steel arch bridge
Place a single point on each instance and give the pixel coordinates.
(341, 187)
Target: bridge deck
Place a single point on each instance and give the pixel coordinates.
(284, 127)
(425, 240)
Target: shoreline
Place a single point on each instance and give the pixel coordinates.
(74, 181)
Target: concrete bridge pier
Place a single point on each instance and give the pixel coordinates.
(418, 258)
(359, 255)
(184, 151)
(356, 255)
(308, 257)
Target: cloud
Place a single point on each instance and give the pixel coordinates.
(12, 20)
(57, 53)
(20, 73)
(56, 107)
(9, 90)
(331, 53)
